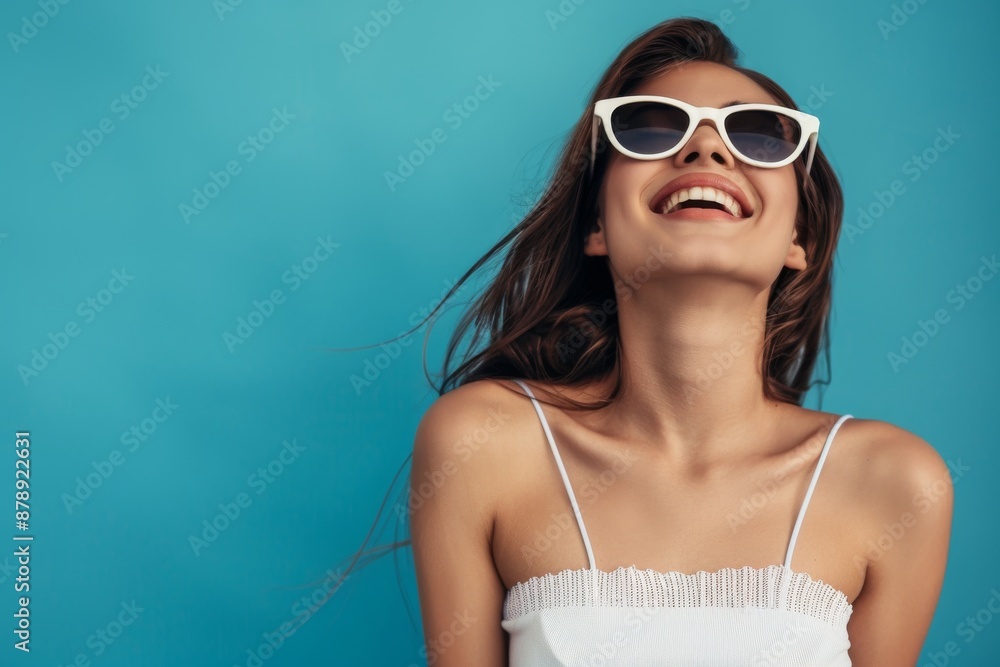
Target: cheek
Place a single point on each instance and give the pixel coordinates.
(780, 195)
(621, 192)
(627, 223)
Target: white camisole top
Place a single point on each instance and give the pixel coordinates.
(734, 616)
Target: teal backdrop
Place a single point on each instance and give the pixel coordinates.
(196, 208)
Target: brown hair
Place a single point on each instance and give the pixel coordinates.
(549, 314)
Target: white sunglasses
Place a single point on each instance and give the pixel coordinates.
(649, 127)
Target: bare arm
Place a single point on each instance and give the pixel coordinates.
(461, 593)
(907, 554)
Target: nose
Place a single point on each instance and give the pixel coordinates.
(706, 141)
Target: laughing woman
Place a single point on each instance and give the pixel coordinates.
(624, 473)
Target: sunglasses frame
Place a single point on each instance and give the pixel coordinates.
(604, 108)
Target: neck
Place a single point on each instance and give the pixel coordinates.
(691, 361)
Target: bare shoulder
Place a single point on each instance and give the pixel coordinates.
(470, 401)
(893, 468)
(903, 504)
(471, 433)
(455, 486)
(462, 421)
(899, 492)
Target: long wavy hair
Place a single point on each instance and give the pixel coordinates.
(544, 316)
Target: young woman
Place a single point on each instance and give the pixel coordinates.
(621, 473)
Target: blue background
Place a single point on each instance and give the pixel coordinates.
(64, 232)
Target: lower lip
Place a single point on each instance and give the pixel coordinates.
(700, 214)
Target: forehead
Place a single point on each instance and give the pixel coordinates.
(705, 84)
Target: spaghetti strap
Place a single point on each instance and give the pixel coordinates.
(809, 491)
(565, 477)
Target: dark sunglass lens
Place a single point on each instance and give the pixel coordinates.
(648, 127)
(765, 136)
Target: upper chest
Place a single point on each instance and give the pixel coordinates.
(635, 511)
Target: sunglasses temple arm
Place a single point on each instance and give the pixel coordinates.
(593, 144)
(812, 151)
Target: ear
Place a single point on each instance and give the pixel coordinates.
(796, 258)
(594, 244)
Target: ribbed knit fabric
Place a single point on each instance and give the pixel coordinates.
(735, 616)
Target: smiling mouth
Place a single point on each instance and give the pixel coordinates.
(702, 197)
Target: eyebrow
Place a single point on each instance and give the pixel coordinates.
(733, 103)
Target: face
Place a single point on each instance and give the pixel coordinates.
(752, 249)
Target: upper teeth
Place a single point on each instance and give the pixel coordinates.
(701, 193)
